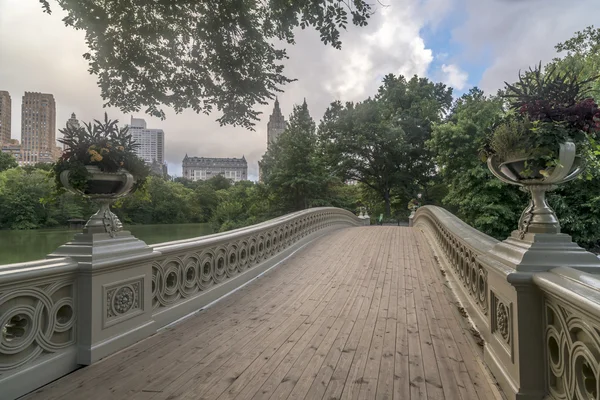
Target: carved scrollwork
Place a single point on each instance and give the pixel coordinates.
(573, 352)
(35, 321)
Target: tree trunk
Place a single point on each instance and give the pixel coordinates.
(388, 210)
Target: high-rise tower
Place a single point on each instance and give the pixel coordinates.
(73, 122)
(38, 127)
(276, 124)
(5, 115)
(151, 141)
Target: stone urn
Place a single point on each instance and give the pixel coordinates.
(104, 187)
(538, 216)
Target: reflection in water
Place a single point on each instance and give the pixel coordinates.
(20, 246)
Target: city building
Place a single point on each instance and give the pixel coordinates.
(73, 122)
(5, 116)
(13, 148)
(203, 168)
(276, 124)
(275, 127)
(151, 141)
(38, 128)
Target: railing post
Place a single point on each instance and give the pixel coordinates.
(114, 295)
(514, 350)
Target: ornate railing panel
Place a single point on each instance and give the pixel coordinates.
(188, 268)
(572, 333)
(38, 316)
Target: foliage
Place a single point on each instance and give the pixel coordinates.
(7, 161)
(508, 138)
(24, 205)
(102, 144)
(381, 142)
(292, 167)
(553, 108)
(202, 55)
(474, 194)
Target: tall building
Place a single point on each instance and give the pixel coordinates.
(276, 124)
(73, 122)
(5, 115)
(38, 127)
(151, 141)
(203, 168)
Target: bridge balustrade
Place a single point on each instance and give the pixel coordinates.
(540, 330)
(63, 312)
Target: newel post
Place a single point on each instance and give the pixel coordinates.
(528, 337)
(114, 296)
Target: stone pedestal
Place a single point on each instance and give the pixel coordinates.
(114, 291)
(536, 252)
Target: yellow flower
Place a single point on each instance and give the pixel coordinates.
(121, 163)
(104, 151)
(120, 148)
(96, 157)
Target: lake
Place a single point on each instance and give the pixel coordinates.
(20, 246)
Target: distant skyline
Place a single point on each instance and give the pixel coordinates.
(463, 43)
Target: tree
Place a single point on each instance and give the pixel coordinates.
(7, 161)
(474, 194)
(199, 54)
(292, 169)
(581, 53)
(381, 142)
(359, 144)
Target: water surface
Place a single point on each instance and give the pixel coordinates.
(20, 246)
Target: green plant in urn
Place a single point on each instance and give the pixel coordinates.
(99, 162)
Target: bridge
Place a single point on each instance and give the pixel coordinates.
(312, 305)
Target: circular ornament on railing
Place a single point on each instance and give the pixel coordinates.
(123, 299)
(502, 321)
(232, 260)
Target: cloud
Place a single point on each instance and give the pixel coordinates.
(45, 56)
(513, 35)
(454, 76)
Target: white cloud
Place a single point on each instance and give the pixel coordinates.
(454, 76)
(517, 34)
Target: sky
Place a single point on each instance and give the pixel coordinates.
(463, 43)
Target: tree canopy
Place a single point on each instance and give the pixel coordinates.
(381, 141)
(199, 54)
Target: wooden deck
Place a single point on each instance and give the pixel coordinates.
(361, 313)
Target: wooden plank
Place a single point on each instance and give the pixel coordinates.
(368, 389)
(429, 361)
(304, 372)
(429, 280)
(402, 386)
(325, 372)
(385, 384)
(355, 377)
(250, 381)
(340, 375)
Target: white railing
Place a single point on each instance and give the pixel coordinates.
(572, 332)
(541, 330)
(38, 316)
(59, 313)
